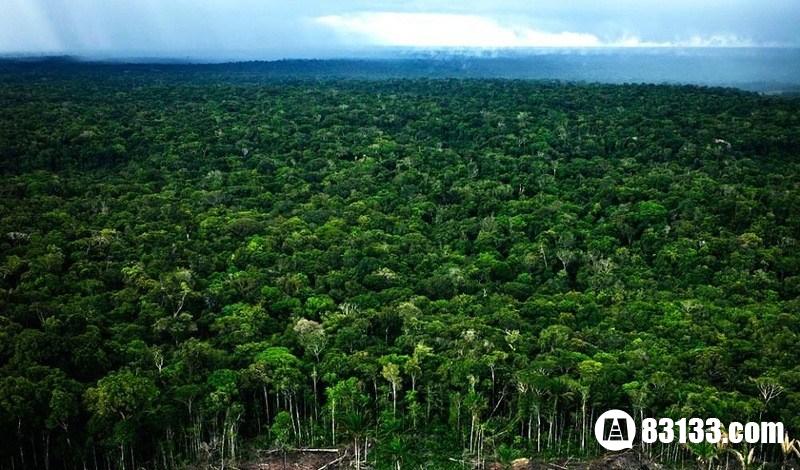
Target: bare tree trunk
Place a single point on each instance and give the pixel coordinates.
(299, 424)
(333, 423)
(538, 429)
(222, 452)
(471, 432)
(357, 456)
(291, 414)
(394, 399)
(266, 403)
(530, 424)
(583, 423)
(316, 394)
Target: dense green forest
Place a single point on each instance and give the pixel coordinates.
(195, 265)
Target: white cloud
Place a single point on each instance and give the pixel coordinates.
(717, 40)
(447, 30)
(460, 30)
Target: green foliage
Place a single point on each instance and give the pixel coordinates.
(424, 269)
(281, 430)
(122, 394)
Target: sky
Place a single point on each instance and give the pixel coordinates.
(274, 29)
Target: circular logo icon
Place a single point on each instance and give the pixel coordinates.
(615, 430)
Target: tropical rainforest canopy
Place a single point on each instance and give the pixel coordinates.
(196, 263)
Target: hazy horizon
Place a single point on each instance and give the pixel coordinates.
(717, 42)
(763, 69)
(270, 30)
(403, 53)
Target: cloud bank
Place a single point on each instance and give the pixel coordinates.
(447, 30)
(462, 30)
